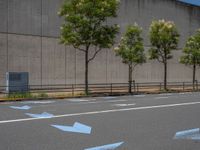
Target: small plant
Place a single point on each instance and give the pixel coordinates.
(20, 95)
(42, 95)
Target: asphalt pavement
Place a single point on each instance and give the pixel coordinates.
(138, 122)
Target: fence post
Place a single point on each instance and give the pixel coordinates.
(134, 85)
(72, 89)
(183, 86)
(137, 87)
(111, 86)
(160, 86)
(197, 86)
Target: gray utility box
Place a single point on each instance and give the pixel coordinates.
(17, 82)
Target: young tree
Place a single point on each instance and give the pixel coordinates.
(85, 27)
(164, 38)
(191, 53)
(131, 50)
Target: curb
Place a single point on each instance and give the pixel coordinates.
(2, 100)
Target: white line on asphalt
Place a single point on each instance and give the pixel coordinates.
(189, 92)
(101, 112)
(161, 97)
(165, 94)
(139, 95)
(182, 93)
(84, 103)
(79, 100)
(110, 101)
(123, 105)
(108, 97)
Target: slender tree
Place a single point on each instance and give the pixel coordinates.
(85, 27)
(131, 50)
(191, 54)
(164, 38)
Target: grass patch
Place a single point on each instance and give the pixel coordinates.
(26, 95)
(41, 95)
(19, 95)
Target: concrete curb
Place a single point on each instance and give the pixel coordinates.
(83, 96)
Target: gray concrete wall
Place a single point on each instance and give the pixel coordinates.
(22, 48)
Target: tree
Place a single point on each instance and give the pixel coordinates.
(131, 50)
(191, 53)
(85, 27)
(164, 38)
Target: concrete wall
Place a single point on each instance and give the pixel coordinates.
(29, 31)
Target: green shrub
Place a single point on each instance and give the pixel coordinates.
(20, 95)
(42, 95)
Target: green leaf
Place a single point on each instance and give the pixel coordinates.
(84, 23)
(164, 38)
(191, 51)
(131, 48)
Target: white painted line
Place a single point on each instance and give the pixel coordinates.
(182, 93)
(78, 100)
(123, 105)
(108, 97)
(161, 97)
(38, 102)
(189, 92)
(165, 94)
(111, 101)
(139, 95)
(102, 111)
(84, 103)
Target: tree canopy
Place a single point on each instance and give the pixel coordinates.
(131, 49)
(84, 23)
(164, 38)
(191, 51)
(191, 54)
(85, 27)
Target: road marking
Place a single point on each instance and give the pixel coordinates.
(43, 115)
(139, 95)
(21, 108)
(103, 111)
(78, 100)
(83, 103)
(124, 105)
(96, 102)
(161, 97)
(165, 94)
(109, 97)
(106, 147)
(193, 134)
(76, 128)
(182, 93)
(38, 102)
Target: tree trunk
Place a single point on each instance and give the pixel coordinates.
(130, 69)
(194, 76)
(165, 76)
(86, 73)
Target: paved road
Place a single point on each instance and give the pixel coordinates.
(144, 122)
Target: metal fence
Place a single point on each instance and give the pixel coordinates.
(108, 88)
